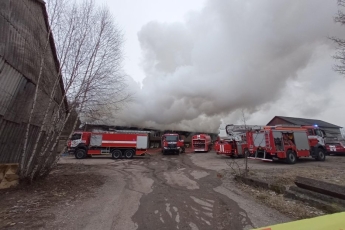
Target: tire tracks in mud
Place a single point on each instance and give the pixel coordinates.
(173, 204)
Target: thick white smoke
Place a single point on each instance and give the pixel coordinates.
(267, 57)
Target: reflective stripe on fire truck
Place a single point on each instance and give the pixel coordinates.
(119, 142)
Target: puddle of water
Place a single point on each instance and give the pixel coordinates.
(178, 178)
(193, 226)
(168, 209)
(201, 202)
(207, 222)
(199, 174)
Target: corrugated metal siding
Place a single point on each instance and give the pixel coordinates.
(11, 140)
(11, 81)
(23, 35)
(25, 39)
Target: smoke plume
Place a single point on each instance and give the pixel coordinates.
(263, 57)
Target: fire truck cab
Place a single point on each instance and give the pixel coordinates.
(171, 143)
(316, 132)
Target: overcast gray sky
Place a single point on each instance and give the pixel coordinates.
(132, 15)
(203, 61)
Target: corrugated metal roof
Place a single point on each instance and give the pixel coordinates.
(305, 121)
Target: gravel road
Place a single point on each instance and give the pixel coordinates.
(163, 192)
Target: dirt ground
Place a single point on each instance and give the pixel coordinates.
(187, 191)
(25, 207)
(332, 170)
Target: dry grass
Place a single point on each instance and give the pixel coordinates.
(291, 208)
(331, 171)
(28, 205)
(287, 176)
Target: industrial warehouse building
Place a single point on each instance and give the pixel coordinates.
(331, 130)
(23, 34)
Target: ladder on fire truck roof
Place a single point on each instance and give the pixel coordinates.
(291, 126)
(242, 128)
(129, 131)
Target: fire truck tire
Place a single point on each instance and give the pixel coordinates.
(129, 154)
(291, 157)
(80, 154)
(320, 155)
(116, 154)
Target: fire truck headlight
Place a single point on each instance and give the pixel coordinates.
(178, 147)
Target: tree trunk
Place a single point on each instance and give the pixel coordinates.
(23, 170)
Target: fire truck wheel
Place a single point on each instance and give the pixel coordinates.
(320, 155)
(80, 154)
(129, 154)
(291, 157)
(116, 154)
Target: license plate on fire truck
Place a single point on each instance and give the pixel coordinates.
(199, 150)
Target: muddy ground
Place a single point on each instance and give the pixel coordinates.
(332, 170)
(277, 173)
(189, 191)
(28, 206)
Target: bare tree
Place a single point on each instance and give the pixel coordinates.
(244, 120)
(340, 54)
(88, 45)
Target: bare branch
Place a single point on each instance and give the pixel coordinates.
(89, 50)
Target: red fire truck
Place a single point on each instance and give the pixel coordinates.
(336, 146)
(119, 144)
(171, 143)
(232, 140)
(289, 143)
(201, 143)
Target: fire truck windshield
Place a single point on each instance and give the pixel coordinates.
(171, 138)
(76, 136)
(319, 133)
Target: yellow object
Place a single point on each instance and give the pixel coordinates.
(327, 222)
(8, 175)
